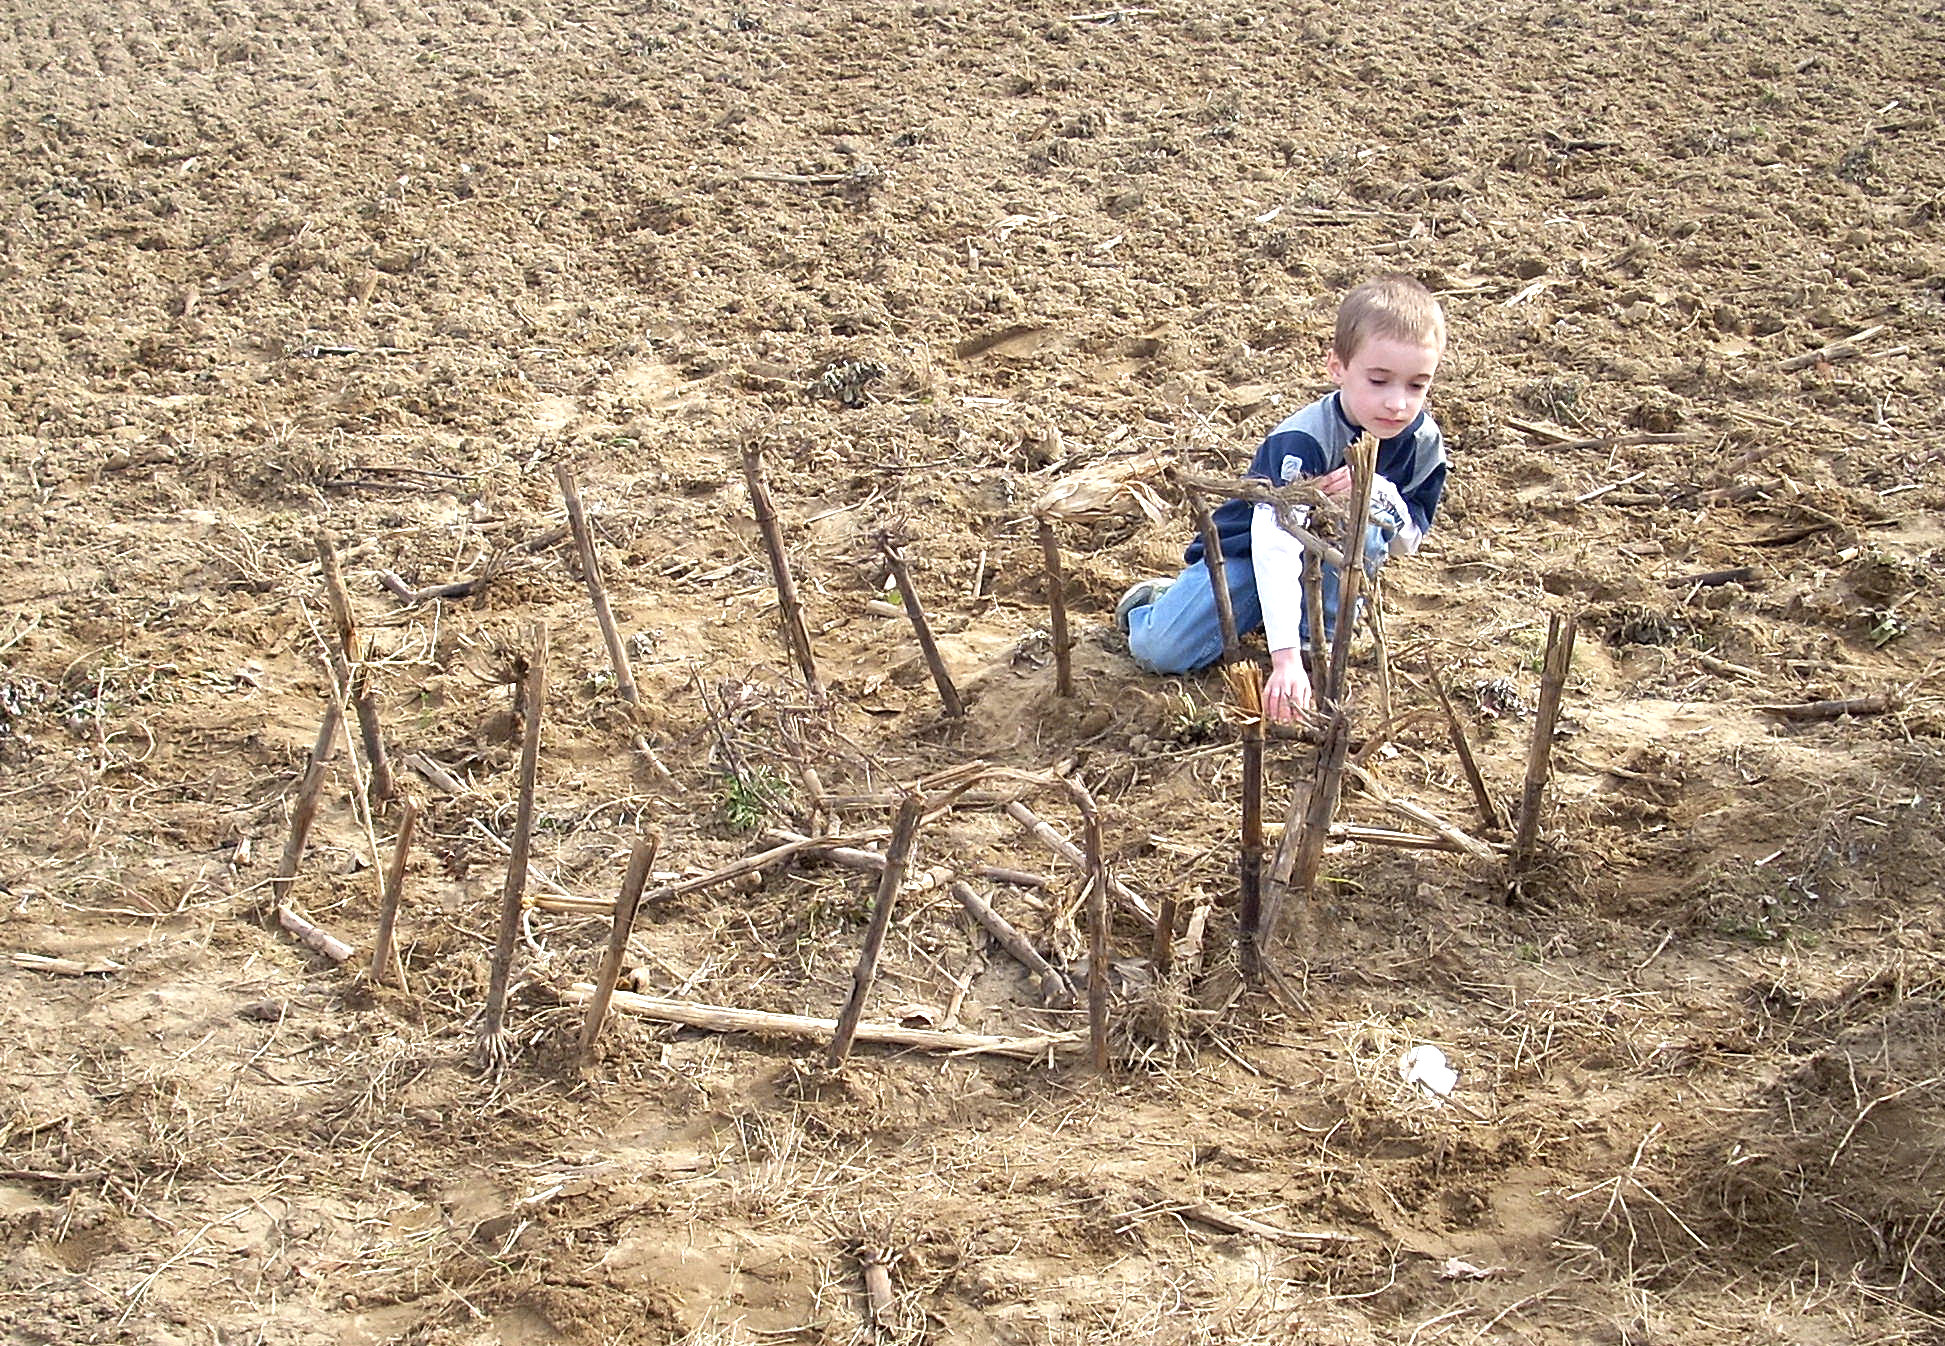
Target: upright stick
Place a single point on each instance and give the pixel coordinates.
(1307, 826)
(1097, 927)
(898, 854)
(383, 950)
(948, 694)
(1313, 617)
(1057, 609)
(1539, 755)
(795, 631)
(1246, 685)
(493, 1037)
(1162, 951)
(1212, 561)
(577, 523)
(353, 672)
(1383, 650)
(304, 811)
(1363, 460)
(641, 862)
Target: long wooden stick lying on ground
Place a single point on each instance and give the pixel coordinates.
(1539, 756)
(898, 854)
(354, 674)
(311, 935)
(384, 952)
(493, 1036)
(641, 862)
(1054, 989)
(796, 631)
(1418, 813)
(735, 869)
(732, 1019)
(604, 617)
(1071, 853)
(1057, 609)
(1881, 704)
(928, 647)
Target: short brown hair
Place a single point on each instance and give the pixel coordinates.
(1395, 306)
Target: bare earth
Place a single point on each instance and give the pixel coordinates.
(377, 270)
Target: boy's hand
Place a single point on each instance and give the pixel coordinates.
(1336, 485)
(1286, 696)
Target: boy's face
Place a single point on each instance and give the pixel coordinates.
(1385, 383)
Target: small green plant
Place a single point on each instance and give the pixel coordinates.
(750, 796)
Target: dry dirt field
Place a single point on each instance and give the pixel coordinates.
(378, 270)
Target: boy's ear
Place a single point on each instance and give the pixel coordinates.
(1334, 367)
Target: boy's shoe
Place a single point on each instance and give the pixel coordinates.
(1140, 594)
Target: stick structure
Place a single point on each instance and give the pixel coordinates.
(948, 694)
(1539, 756)
(493, 1026)
(1313, 613)
(577, 523)
(898, 854)
(304, 811)
(760, 1023)
(1289, 501)
(383, 950)
(641, 862)
(794, 628)
(1057, 609)
(354, 673)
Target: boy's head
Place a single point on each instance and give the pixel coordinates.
(1390, 335)
(1394, 306)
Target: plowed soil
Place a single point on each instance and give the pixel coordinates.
(374, 272)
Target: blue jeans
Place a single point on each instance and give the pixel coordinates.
(1180, 632)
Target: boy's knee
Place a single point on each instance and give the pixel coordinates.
(1153, 651)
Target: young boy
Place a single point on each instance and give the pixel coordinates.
(1390, 335)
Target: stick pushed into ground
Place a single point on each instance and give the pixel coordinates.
(304, 811)
(898, 854)
(493, 1035)
(384, 949)
(794, 628)
(1539, 755)
(1057, 609)
(948, 694)
(1097, 927)
(353, 673)
(604, 617)
(641, 862)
